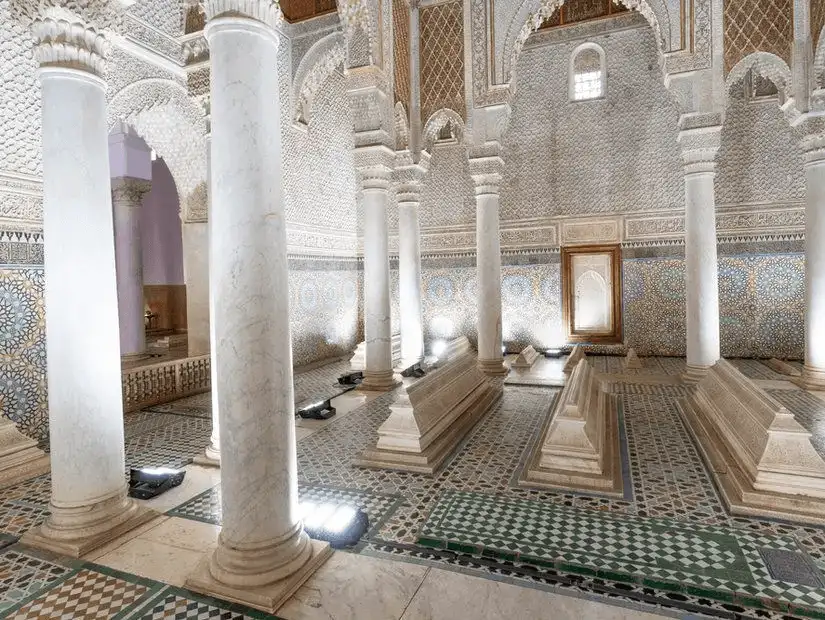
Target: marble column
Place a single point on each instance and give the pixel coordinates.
(127, 196)
(813, 375)
(212, 454)
(699, 147)
(263, 552)
(89, 504)
(488, 259)
(378, 372)
(409, 257)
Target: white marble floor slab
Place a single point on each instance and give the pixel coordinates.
(445, 595)
(161, 561)
(355, 587)
(545, 371)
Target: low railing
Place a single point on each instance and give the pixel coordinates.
(155, 384)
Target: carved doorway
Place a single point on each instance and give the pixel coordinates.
(592, 293)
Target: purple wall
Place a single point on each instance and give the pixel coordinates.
(160, 230)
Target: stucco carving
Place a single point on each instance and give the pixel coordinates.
(324, 57)
(96, 14)
(532, 13)
(402, 127)
(769, 66)
(67, 41)
(819, 61)
(438, 121)
(173, 124)
(266, 11)
(356, 15)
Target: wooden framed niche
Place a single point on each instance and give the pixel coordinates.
(591, 289)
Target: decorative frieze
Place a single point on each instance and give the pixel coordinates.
(591, 231)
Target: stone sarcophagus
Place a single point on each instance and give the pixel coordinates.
(526, 358)
(579, 445)
(358, 361)
(576, 355)
(20, 458)
(761, 457)
(431, 417)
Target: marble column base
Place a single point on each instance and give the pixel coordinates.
(135, 357)
(493, 368)
(77, 530)
(209, 458)
(20, 458)
(382, 381)
(694, 374)
(268, 597)
(812, 378)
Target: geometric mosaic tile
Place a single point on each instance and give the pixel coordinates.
(792, 567)
(22, 575)
(88, 594)
(176, 604)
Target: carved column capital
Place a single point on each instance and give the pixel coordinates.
(265, 11)
(700, 136)
(486, 168)
(65, 40)
(374, 166)
(812, 129)
(408, 176)
(129, 191)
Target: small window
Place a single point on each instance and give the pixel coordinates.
(587, 73)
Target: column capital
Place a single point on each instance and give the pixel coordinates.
(67, 41)
(374, 165)
(700, 136)
(129, 191)
(486, 168)
(265, 11)
(812, 129)
(409, 174)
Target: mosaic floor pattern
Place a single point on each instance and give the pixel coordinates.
(669, 546)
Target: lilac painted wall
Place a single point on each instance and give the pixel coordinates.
(161, 231)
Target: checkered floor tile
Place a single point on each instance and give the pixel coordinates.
(174, 606)
(88, 594)
(23, 575)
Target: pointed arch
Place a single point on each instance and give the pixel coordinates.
(324, 57)
(437, 121)
(769, 66)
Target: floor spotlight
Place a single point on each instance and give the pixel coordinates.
(552, 353)
(413, 371)
(351, 378)
(341, 525)
(438, 348)
(149, 482)
(321, 410)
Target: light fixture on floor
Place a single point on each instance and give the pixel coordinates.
(351, 378)
(321, 410)
(149, 482)
(413, 371)
(438, 348)
(552, 353)
(341, 525)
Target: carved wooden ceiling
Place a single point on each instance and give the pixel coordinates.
(575, 11)
(757, 26)
(300, 10)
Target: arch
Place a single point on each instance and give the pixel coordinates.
(172, 124)
(819, 60)
(571, 70)
(769, 66)
(531, 14)
(438, 121)
(320, 61)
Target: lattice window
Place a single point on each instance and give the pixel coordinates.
(817, 20)
(757, 26)
(442, 58)
(587, 73)
(401, 51)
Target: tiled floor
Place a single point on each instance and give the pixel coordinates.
(668, 548)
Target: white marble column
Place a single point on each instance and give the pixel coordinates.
(699, 147)
(263, 552)
(813, 375)
(409, 177)
(378, 373)
(488, 264)
(89, 504)
(127, 196)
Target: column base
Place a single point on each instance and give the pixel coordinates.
(134, 357)
(267, 598)
(79, 530)
(20, 458)
(209, 458)
(812, 378)
(694, 374)
(493, 368)
(380, 381)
